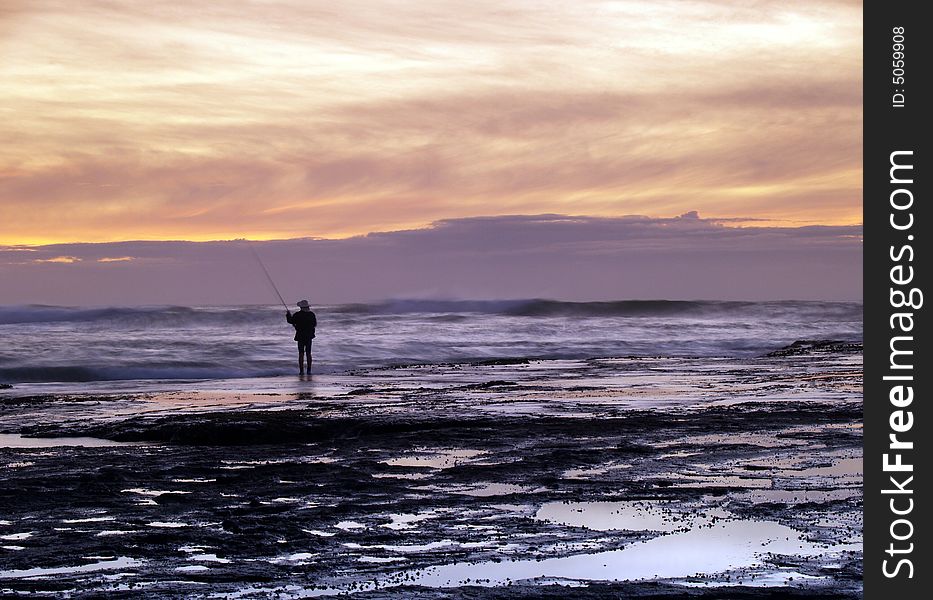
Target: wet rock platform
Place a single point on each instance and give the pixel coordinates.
(601, 478)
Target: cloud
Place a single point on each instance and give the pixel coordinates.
(111, 259)
(66, 260)
(518, 256)
(171, 120)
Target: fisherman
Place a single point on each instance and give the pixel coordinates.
(304, 322)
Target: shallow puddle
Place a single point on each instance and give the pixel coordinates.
(192, 568)
(408, 520)
(417, 547)
(89, 520)
(684, 480)
(434, 459)
(760, 439)
(412, 476)
(712, 549)
(15, 440)
(630, 516)
(847, 467)
(486, 490)
(481, 489)
(148, 492)
(117, 563)
(798, 496)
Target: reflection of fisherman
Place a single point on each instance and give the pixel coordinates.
(304, 322)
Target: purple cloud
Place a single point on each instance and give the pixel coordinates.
(551, 256)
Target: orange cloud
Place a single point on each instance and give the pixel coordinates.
(169, 120)
(59, 259)
(109, 259)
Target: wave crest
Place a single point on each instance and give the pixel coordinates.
(178, 315)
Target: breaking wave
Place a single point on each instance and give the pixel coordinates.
(173, 315)
(162, 314)
(64, 344)
(37, 374)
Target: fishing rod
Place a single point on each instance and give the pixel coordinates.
(269, 277)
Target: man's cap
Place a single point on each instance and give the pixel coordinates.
(303, 303)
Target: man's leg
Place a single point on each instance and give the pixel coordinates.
(308, 352)
(301, 359)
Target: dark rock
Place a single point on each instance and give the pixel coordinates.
(503, 361)
(360, 391)
(489, 385)
(230, 526)
(171, 498)
(812, 346)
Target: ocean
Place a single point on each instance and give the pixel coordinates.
(49, 344)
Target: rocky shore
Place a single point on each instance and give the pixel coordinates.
(639, 477)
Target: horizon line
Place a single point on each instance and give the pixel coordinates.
(390, 300)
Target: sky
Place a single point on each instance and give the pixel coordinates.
(169, 120)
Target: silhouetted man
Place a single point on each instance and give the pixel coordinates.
(304, 322)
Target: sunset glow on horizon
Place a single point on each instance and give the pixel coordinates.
(169, 120)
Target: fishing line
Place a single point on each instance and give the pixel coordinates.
(269, 277)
